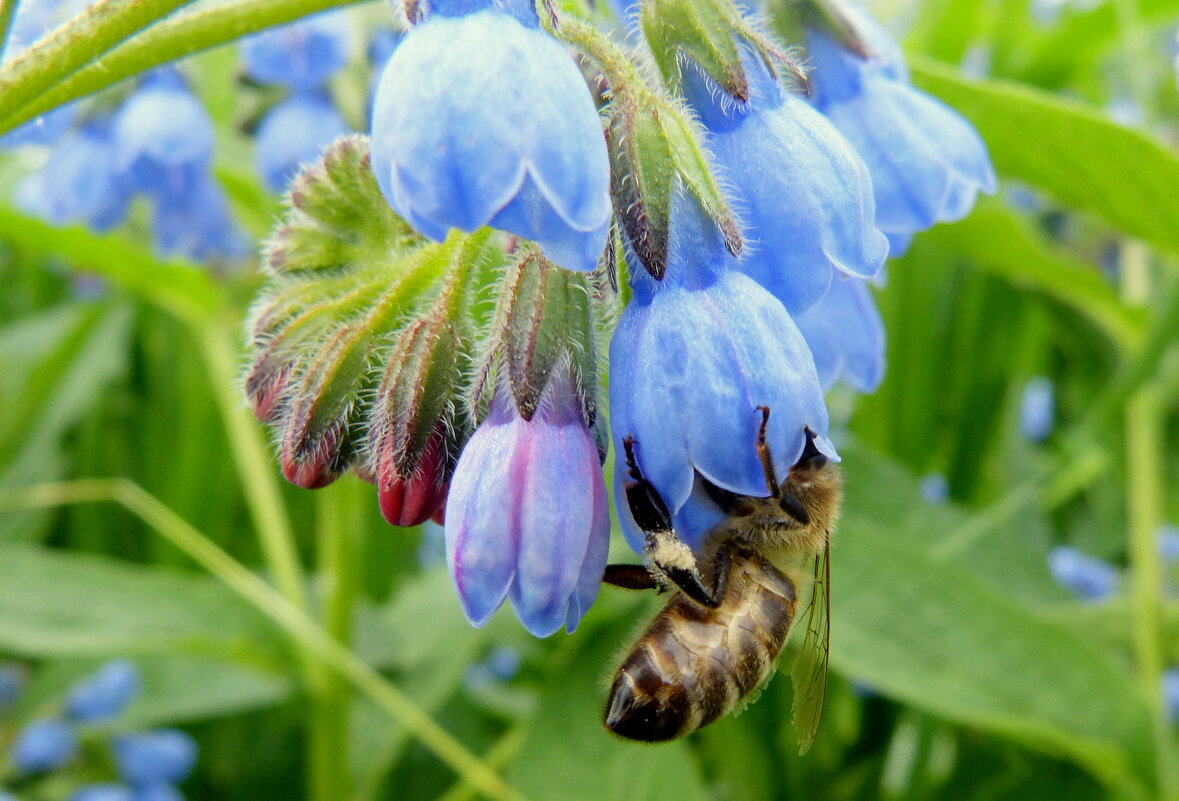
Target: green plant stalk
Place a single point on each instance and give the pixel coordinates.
(165, 42)
(295, 622)
(251, 455)
(79, 41)
(337, 528)
(1145, 434)
(501, 753)
(7, 14)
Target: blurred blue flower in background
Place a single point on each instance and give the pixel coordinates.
(102, 792)
(163, 137)
(803, 193)
(105, 694)
(1169, 543)
(302, 55)
(79, 182)
(160, 756)
(157, 792)
(1037, 409)
(846, 335)
(927, 162)
(293, 132)
(712, 344)
(1086, 577)
(527, 516)
(482, 118)
(1170, 683)
(934, 488)
(12, 682)
(198, 225)
(44, 745)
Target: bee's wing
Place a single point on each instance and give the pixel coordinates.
(809, 671)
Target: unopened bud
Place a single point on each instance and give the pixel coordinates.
(414, 499)
(318, 442)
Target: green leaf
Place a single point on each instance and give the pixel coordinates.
(180, 287)
(1072, 151)
(997, 240)
(62, 603)
(56, 366)
(951, 638)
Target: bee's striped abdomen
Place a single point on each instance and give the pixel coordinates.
(694, 664)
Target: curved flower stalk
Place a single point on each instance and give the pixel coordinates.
(803, 193)
(482, 118)
(692, 360)
(526, 519)
(927, 163)
(846, 336)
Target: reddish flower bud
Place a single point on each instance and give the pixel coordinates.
(412, 500)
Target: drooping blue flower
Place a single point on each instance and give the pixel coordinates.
(482, 118)
(1086, 577)
(79, 183)
(927, 162)
(104, 694)
(1171, 693)
(1169, 543)
(802, 192)
(1037, 409)
(197, 225)
(293, 132)
(44, 745)
(163, 137)
(12, 683)
(934, 488)
(157, 792)
(527, 516)
(692, 359)
(153, 757)
(846, 335)
(302, 55)
(102, 792)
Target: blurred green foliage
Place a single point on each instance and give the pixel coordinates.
(960, 669)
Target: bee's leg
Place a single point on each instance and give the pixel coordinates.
(787, 500)
(671, 560)
(763, 454)
(630, 577)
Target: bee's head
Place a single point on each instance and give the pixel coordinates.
(813, 488)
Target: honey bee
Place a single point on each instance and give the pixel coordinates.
(719, 637)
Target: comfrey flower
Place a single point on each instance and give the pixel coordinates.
(482, 118)
(163, 137)
(846, 336)
(692, 359)
(197, 225)
(1170, 681)
(294, 132)
(927, 162)
(526, 518)
(302, 55)
(1086, 577)
(44, 745)
(1036, 409)
(104, 694)
(802, 191)
(79, 183)
(155, 757)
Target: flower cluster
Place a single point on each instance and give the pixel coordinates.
(148, 764)
(157, 143)
(458, 368)
(301, 58)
